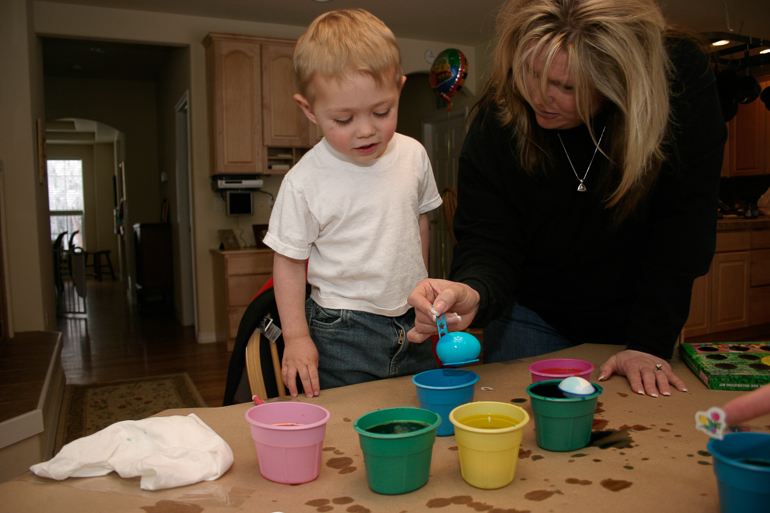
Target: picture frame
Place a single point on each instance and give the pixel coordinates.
(260, 230)
(228, 239)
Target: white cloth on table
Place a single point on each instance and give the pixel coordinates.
(164, 451)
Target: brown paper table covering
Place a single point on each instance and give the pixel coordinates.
(652, 459)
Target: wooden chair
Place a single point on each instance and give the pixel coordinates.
(72, 244)
(450, 206)
(97, 265)
(256, 360)
(60, 262)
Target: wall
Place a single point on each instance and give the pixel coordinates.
(60, 20)
(27, 243)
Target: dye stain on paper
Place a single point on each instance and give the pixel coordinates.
(617, 439)
(615, 485)
(172, 507)
(343, 465)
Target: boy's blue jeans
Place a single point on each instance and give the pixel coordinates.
(356, 347)
(520, 333)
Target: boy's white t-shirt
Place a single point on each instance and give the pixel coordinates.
(357, 224)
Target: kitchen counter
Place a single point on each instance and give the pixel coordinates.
(740, 223)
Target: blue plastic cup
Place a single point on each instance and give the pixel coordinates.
(442, 390)
(742, 469)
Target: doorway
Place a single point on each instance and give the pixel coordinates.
(186, 285)
(443, 137)
(135, 88)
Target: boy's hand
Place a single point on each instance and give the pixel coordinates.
(300, 357)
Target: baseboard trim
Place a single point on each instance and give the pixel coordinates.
(206, 338)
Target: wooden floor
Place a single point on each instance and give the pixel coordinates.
(117, 342)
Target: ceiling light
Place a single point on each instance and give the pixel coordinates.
(721, 42)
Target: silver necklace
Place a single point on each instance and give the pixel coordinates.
(582, 186)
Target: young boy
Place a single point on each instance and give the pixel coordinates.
(355, 207)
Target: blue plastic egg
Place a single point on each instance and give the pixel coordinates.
(458, 348)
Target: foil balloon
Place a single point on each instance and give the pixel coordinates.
(448, 73)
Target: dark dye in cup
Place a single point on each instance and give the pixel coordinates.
(397, 427)
(759, 462)
(548, 390)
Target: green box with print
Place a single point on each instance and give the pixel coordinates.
(729, 365)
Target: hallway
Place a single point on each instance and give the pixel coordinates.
(120, 343)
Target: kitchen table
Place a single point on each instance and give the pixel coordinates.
(645, 455)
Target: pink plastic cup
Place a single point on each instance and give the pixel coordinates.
(289, 439)
(556, 368)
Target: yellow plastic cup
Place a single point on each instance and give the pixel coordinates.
(488, 455)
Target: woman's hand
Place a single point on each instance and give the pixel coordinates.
(435, 297)
(646, 373)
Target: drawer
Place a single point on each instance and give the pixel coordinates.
(760, 267)
(234, 316)
(760, 239)
(242, 289)
(733, 241)
(249, 263)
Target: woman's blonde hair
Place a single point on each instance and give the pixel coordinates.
(343, 41)
(616, 49)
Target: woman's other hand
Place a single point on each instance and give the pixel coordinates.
(647, 374)
(433, 297)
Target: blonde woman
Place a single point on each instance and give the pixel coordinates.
(587, 189)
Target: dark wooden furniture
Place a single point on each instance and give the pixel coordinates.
(154, 266)
(96, 263)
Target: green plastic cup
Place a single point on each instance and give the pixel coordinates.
(397, 462)
(561, 423)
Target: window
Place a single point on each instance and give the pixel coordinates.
(65, 200)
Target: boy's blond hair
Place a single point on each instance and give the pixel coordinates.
(344, 41)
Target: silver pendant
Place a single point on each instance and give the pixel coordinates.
(581, 187)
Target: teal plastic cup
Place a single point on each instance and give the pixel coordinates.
(561, 423)
(442, 390)
(742, 469)
(397, 462)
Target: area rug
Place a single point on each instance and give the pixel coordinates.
(87, 409)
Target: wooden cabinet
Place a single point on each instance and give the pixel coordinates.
(736, 291)
(233, 77)
(759, 293)
(238, 276)
(730, 291)
(284, 122)
(251, 104)
(747, 152)
(766, 112)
